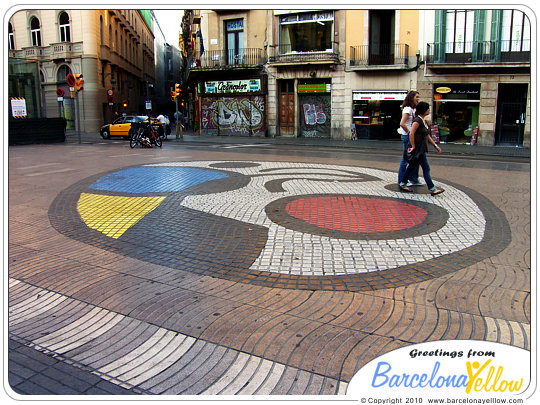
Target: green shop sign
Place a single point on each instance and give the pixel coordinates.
(233, 86)
(314, 88)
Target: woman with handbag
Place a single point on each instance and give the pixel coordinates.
(409, 105)
(419, 137)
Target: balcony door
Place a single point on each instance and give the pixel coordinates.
(381, 37)
(235, 41)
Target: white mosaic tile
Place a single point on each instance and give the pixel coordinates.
(292, 252)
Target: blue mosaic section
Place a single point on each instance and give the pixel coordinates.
(155, 179)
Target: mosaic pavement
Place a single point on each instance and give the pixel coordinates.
(221, 277)
(281, 224)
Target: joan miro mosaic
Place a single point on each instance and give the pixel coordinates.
(287, 225)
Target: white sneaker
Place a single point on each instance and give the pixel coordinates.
(418, 183)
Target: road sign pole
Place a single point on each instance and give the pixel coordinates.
(176, 116)
(78, 117)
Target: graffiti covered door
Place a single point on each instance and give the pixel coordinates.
(233, 116)
(314, 115)
(286, 107)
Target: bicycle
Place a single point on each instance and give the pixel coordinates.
(145, 136)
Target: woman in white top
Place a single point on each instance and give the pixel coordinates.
(409, 105)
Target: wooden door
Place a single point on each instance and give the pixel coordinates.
(286, 107)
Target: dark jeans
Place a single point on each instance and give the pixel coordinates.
(403, 165)
(423, 162)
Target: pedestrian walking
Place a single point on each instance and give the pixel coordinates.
(179, 118)
(419, 137)
(165, 122)
(409, 105)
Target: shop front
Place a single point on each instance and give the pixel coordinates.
(314, 99)
(233, 108)
(455, 111)
(376, 114)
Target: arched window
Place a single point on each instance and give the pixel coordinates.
(62, 73)
(11, 37)
(65, 30)
(35, 31)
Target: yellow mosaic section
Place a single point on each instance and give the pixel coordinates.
(114, 215)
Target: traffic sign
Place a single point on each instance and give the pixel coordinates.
(70, 79)
(59, 92)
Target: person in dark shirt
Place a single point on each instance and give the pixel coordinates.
(419, 137)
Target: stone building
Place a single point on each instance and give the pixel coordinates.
(113, 49)
(341, 73)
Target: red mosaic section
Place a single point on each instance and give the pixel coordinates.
(356, 214)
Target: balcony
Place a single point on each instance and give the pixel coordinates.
(479, 53)
(53, 52)
(246, 58)
(65, 50)
(379, 56)
(287, 55)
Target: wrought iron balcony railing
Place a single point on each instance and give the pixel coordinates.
(227, 59)
(290, 54)
(479, 52)
(379, 55)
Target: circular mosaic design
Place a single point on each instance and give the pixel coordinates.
(288, 225)
(356, 217)
(356, 214)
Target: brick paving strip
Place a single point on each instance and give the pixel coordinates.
(138, 356)
(151, 323)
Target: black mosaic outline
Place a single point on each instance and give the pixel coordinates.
(342, 176)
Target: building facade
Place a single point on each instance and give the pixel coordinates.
(335, 73)
(477, 75)
(383, 57)
(226, 71)
(168, 73)
(112, 49)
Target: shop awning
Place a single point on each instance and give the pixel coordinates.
(379, 95)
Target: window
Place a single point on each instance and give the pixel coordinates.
(459, 31)
(306, 32)
(516, 32)
(35, 31)
(11, 37)
(381, 37)
(65, 31)
(62, 73)
(235, 41)
(101, 33)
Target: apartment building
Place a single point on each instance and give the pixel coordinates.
(383, 57)
(113, 49)
(226, 75)
(477, 74)
(316, 69)
(334, 73)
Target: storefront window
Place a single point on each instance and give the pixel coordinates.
(376, 115)
(306, 32)
(456, 111)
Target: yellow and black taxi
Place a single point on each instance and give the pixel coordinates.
(122, 126)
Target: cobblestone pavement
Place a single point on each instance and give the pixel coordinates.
(212, 271)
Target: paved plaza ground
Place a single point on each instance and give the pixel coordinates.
(215, 268)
